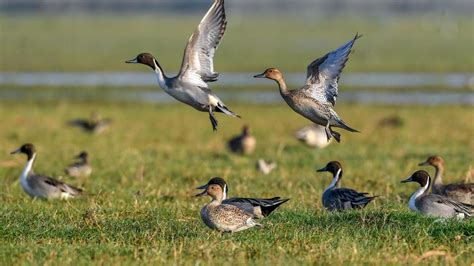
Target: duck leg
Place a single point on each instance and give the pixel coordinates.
(328, 132)
(212, 118)
(336, 135)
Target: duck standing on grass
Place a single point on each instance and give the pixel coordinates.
(243, 144)
(460, 192)
(41, 186)
(190, 86)
(337, 198)
(316, 100)
(81, 167)
(224, 217)
(432, 204)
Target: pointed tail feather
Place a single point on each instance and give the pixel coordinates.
(343, 125)
(225, 110)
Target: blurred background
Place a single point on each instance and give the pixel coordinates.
(419, 46)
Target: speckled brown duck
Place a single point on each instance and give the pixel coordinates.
(462, 192)
(317, 99)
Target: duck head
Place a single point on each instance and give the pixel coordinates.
(334, 167)
(434, 160)
(28, 149)
(421, 177)
(214, 181)
(145, 59)
(245, 130)
(83, 155)
(271, 73)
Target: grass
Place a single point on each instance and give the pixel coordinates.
(146, 168)
(102, 43)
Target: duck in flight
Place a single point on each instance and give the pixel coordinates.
(190, 86)
(317, 98)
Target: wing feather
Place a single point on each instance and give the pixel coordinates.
(323, 73)
(198, 66)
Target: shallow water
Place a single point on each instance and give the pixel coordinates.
(261, 97)
(368, 80)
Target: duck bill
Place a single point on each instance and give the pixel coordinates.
(260, 76)
(407, 180)
(322, 170)
(132, 61)
(203, 193)
(16, 151)
(424, 163)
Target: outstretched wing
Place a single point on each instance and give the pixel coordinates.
(198, 65)
(323, 73)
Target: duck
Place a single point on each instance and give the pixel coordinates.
(317, 98)
(313, 136)
(434, 205)
(265, 167)
(191, 86)
(81, 167)
(244, 143)
(460, 192)
(95, 124)
(42, 186)
(258, 208)
(340, 199)
(224, 217)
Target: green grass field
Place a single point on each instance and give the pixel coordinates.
(146, 167)
(103, 43)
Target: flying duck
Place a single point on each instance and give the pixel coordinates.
(243, 144)
(41, 186)
(94, 125)
(316, 100)
(258, 208)
(433, 204)
(224, 217)
(190, 86)
(265, 167)
(80, 168)
(313, 136)
(460, 192)
(337, 198)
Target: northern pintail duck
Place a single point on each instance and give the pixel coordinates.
(316, 100)
(41, 186)
(313, 136)
(258, 208)
(432, 204)
(337, 198)
(224, 217)
(243, 143)
(80, 168)
(95, 124)
(459, 192)
(266, 167)
(190, 86)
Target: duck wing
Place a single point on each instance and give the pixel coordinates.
(52, 183)
(323, 73)
(443, 202)
(198, 65)
(356, 199)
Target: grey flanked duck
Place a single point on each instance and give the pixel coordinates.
(190, 86)
(41, 186)
(432, 204)
(258, 208)
(244, 143)
(224, 217)
(337, 198)
(459, 192)
(95, 124)
(316, 100)
(80, 168)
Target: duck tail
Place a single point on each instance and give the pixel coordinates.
(225, 110)
(269, 205)
(343, 125)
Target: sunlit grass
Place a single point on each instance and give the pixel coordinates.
(141, 208)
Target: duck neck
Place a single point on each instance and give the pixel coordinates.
(438, 178)
(160, 75)
(417, 194)
(282, 86)
(335, 181)
(28, 167)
